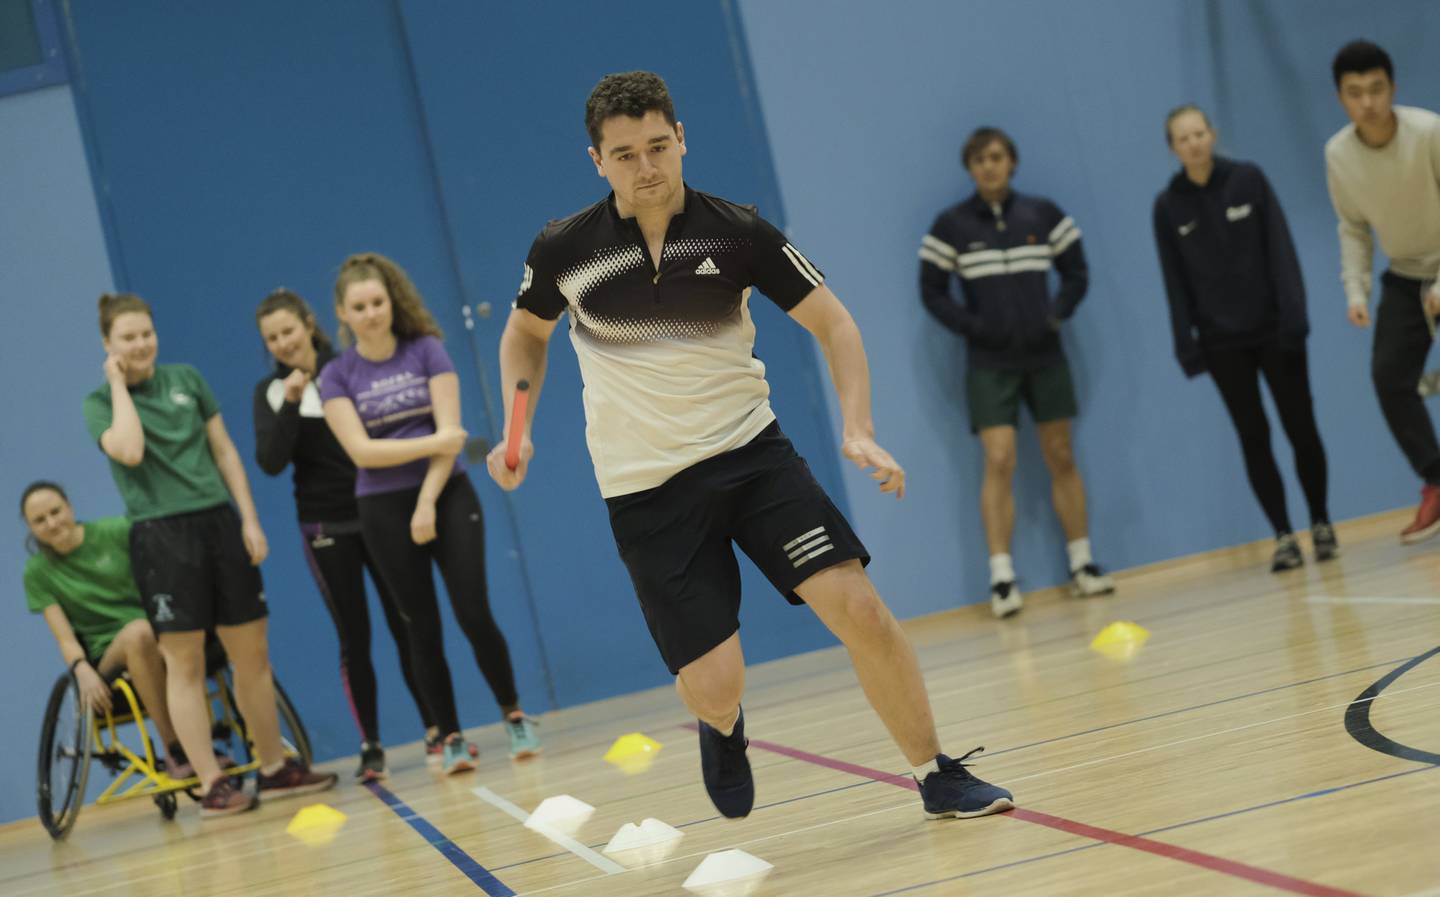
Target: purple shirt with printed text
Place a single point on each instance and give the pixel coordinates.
(392, 398)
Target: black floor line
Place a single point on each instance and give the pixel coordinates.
(1357, 716)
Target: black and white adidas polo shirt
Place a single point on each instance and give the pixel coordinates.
(666, 355)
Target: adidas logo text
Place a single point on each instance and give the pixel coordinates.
(707, 267)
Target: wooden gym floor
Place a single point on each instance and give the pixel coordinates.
(1215, 761)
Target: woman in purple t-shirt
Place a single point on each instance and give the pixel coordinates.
(393, 401)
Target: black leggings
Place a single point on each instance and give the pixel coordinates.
(1402, 342)
(338, 560)
(459, 551)
(1237, 375)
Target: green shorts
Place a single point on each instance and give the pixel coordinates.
(994, 396)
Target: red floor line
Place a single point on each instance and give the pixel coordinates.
(1120, 839)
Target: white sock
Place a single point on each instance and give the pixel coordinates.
(1079, 554)
(1002, 568)
(920, 772)
(729, 729)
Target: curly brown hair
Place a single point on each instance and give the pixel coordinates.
(409, 316)
(631, 94)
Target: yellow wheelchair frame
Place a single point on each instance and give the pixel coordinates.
(137, 772)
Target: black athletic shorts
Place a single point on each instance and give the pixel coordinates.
(194, 572)
(676, 540)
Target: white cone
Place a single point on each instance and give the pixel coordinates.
(730, 871)
(640, 845)
(562, 813)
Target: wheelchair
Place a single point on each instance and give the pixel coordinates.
(73, 737)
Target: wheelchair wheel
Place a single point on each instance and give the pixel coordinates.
(166, 803)
(64, 762)
(292, 730)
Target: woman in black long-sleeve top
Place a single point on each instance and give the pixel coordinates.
(290, 429)
(1237, 306)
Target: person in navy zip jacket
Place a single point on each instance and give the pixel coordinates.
(1237, 309)
(1001, 245)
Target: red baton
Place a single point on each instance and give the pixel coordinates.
(517, 423)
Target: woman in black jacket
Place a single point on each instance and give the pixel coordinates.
(290, 428)
(1237, 307)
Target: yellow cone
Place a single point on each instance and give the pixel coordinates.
(633, 753)
(1120, 640)
(316, 824)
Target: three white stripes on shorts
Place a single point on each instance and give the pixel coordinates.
(811, 545)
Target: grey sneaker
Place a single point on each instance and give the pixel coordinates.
(1327, 547)
(1287, 554)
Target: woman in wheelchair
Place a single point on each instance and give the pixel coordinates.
(78, 576)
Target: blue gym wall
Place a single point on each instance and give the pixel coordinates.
(868, 153)
(52, 268)
(234, 150)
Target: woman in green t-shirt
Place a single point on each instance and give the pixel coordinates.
(78, 576)
(195, 559)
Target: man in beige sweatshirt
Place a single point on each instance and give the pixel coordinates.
(1384, 174)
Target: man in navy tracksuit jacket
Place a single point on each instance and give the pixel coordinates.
(1001, 246)
(1237, 309)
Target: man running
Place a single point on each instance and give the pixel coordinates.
(687, 451)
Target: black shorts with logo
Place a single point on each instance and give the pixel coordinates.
(194, 572)
(676, 540)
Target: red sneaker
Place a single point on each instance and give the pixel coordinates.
(1427, 517)
(293, 778)
(224, 799)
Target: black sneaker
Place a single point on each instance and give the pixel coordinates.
(372, 762)
(727, 770)
(953, 791)
(1287, 554)
(1327, 547)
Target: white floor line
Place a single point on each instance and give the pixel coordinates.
(603, 863)
(1369, 599)
(1387, 696)
(910, 804)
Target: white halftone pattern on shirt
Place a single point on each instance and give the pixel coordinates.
(701, 246)
(579, 282)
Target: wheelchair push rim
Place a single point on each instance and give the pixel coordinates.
(293, 736)
(63, 769)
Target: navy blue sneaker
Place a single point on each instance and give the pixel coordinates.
(953, 791)
(727, 770)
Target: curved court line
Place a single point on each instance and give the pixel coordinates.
(1169, 744)
(1138, 842)
(1357, 716)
